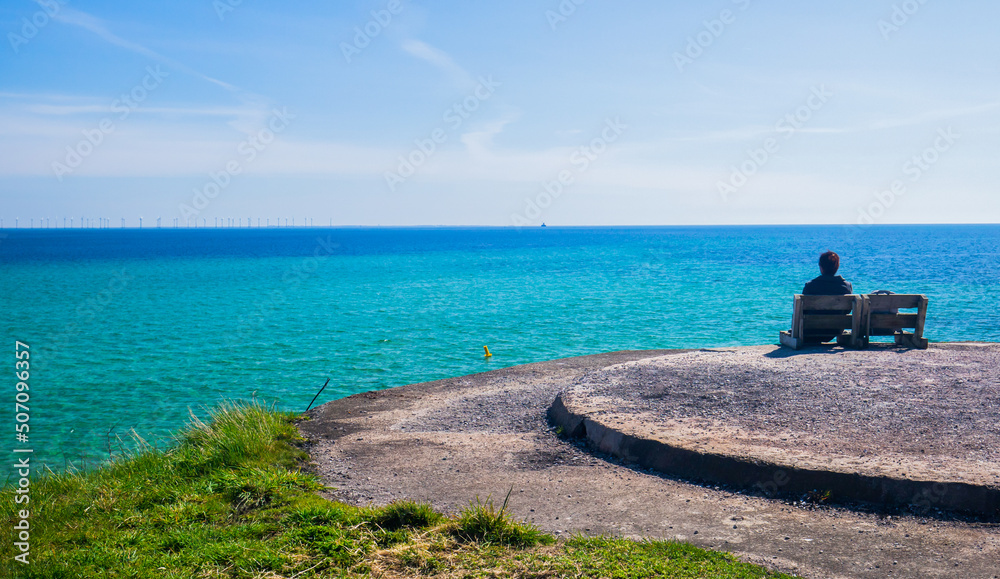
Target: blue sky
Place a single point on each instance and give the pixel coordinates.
(580, 112)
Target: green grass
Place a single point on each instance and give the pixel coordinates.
(483, 523)
(229, 499)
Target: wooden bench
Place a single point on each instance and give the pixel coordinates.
(881, 318)
(811, 317)
(869, 315)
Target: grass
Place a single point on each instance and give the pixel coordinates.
(483, 523)
(229, 499)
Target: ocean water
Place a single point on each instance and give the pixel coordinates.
(136, 329)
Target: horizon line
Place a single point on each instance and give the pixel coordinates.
(475, 226)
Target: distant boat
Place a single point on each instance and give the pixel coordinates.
(543, 224)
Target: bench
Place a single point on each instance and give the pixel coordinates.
(852, 319)
(881, 318)
(821, 316)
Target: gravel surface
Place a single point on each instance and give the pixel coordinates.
(919, 414)
(449, 441)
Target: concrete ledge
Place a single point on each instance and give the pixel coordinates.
(774, 479)
(448, 441)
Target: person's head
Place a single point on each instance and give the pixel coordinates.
(829, 263)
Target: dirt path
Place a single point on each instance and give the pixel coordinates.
(447, 442)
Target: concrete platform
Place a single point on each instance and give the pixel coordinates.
(449, 441)
(894, 428)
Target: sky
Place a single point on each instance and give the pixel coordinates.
(568, 112)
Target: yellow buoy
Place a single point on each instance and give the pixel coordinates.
(487, 349)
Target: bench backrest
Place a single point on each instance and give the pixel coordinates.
(845, 302)
(881, 318)
(825, 314)
(864, 315)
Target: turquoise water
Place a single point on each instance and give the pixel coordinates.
(133, 329)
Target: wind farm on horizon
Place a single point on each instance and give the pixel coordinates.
(159, 223)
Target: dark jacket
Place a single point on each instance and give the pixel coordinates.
(828, 285)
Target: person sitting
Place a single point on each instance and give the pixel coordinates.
(827, 284)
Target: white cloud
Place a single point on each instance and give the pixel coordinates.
(248, 118)
(480, 142)
(78, 109)
(926, 117)
(86, 21)
(441, 60)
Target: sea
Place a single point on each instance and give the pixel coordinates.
(133, 331)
